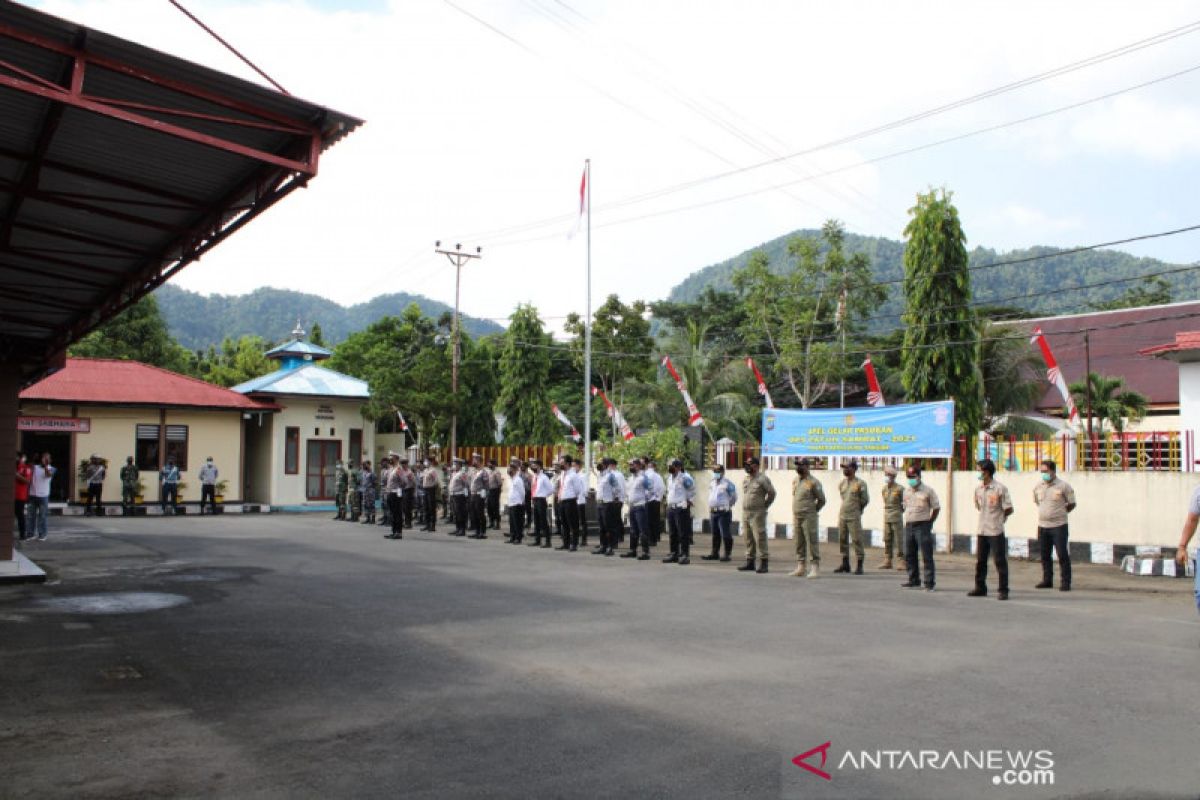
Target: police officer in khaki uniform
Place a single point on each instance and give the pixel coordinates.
(994, 505)
(808, 498)
(893, 519)
(921, 509)
(1055, 499)
(759, 494)
(854, 499)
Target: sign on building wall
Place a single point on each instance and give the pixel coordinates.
(54, 424)
(916, 430)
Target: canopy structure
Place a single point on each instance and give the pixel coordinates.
(119, 166)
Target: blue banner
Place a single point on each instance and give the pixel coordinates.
(919, 430)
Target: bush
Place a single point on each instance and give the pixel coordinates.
(661, 445)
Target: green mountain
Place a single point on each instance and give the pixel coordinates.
(1043, 287)
(197, 321)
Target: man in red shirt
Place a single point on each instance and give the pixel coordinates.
(21, 494)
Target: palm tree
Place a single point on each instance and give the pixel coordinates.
(1011, 381)
(1109, 402)
(720, 387)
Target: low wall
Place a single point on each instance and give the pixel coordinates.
(1134, 509)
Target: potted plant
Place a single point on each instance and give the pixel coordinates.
(219, 490)
(139, 492)
(81, 475)
(180, 488)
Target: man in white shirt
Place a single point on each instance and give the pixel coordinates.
(208, 485)
(610, 494)
(639, 486)
(516, 506)
(542, 490)
(568, 505)
(654, 500)
(39, 497)
(722, 495)
(681, 491)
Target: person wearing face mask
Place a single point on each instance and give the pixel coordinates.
(921, 509)
(208, 485)
(808, 498)
(854, 499)
(893, 519)
(722, 495)
(994, 505)
(759, 493)
(516, 505)
(681, 492)
(638, 487)
(1055, 499)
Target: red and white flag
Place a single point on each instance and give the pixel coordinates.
(582, 201)
(1055, 375)
(400, 417)
(874, 393)
(563, 419)
(694, 417)
(762, 385)
(614, 414)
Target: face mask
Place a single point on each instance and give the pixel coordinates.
(978, 476)
(1047, 477)
(890, 478)
(848, 473)
(719, 475)
(914, 482)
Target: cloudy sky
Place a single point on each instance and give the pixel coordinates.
(480, 114)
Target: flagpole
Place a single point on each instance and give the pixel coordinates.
(587, 335)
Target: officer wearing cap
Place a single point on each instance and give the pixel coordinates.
(995, 506)
(459, 491)
(854, 499)
(893, 519)
(808, 498)
(759, 493)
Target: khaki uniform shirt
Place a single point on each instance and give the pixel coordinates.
(758, 493)
(992, 500)
(920, 503)
(1052, 500)
(854, 497)
(893, 500)
(807, 495)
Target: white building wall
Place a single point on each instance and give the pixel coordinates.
(317, 418)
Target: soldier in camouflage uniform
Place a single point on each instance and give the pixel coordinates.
(854, 499)
(893, 519)
(354, 492)
(339, 494)
(808, 498)
(368, 486)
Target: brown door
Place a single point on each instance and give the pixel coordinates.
(356, 453)
(320, 470)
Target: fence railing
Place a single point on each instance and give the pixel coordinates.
(1143, 451)
(502, 454)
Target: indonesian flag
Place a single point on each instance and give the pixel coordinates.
(762, 385)
(1055, 375)
(614, 414)
(874, 393)
(563, 419)
(694, 417)
(582, 201)
(400, 417)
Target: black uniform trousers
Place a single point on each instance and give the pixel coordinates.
(612, 528)
(997, 548)
(431, 502)
(394, 502)
(407, 500)
(478, 514)
(1050, 541)
(654, 517)
(679, 529)
(493, 508)
(541, 517)
(516, 523)
(460, 503)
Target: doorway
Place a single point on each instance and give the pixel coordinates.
(320, 469)
(58, 445)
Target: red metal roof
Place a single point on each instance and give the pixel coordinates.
(1117, 339)
(113, 382)
(1188, 340)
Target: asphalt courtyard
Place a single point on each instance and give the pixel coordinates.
(292, 656)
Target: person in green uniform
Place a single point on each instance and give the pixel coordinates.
(129, 486)
(759, 493)
(808, 498)
(342, 483)
(854, 499)
(893, 519)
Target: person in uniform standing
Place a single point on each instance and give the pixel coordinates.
(458, 490)
(681, 491)
(96, 472)
(208, 485)
(808, 498)
(354, 492)
(495, 480)
(995, 506)
(921, 509)
(854, 499)
(168, 479)
(408, 492)
(430, 484)
(516, 505)
(387, 468)
(637, 487)
(129, 486)
(368, 485)
(893, 520)
(654, 501)
(393, 489)
(758, 493)
(341, 483)
(568, 504)
(722, 496)
(610, 497)
(1055, 499)
(542, 490)
(480, 481)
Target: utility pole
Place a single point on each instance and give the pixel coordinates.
(458, 258)
(1087, 379)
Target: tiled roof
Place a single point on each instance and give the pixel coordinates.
(115, 382)
(309, 379)
(1116, 340)
(1188, 340)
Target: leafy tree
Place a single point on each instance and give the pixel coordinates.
(479, 387)
(941, 339)
(1011, 379)
(1154, 291)
(524, 396)
(801, 313)
(139, 333)
(725, 315)
(660, 444)
(621, 343)
(236, 362)
(316, 336)
(1109, 403)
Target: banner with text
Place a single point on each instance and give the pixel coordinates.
(919, 430)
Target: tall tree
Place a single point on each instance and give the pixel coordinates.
(1012, 380)
(941, 337)
(524, 397)
(802, 313)
(478, 387)
(316, 335)
(236, 362)
(139, 333)
(622, 347)
(1154, 291)
(1111, 402)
